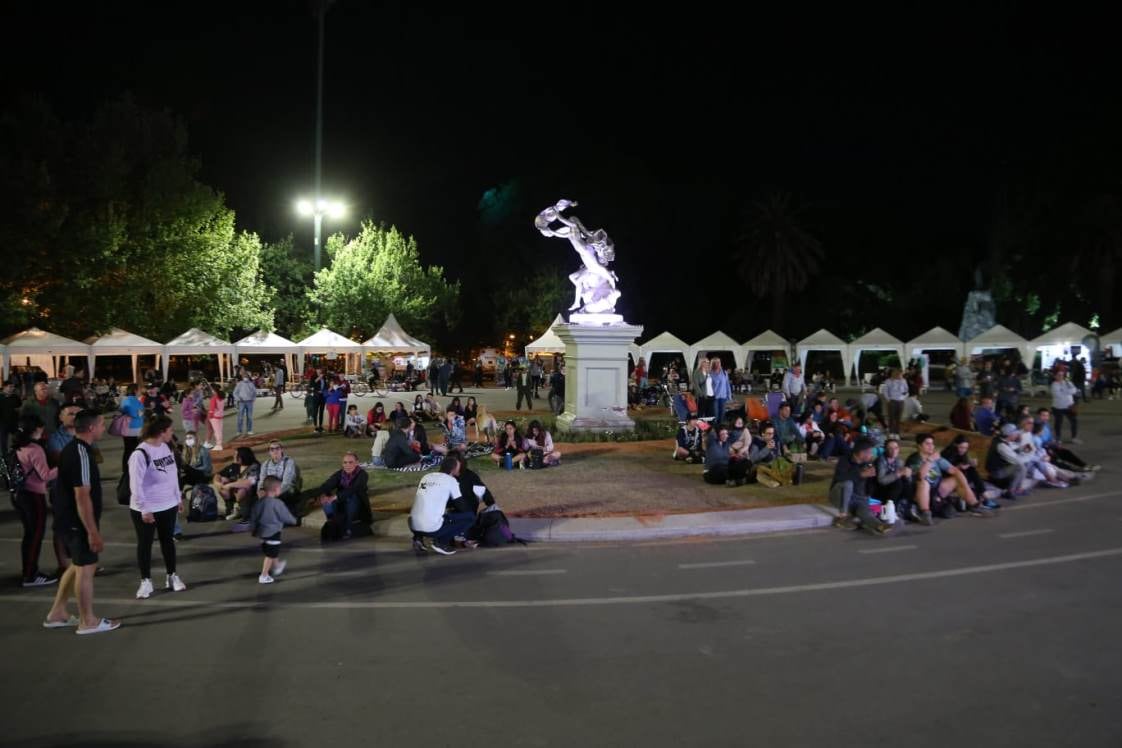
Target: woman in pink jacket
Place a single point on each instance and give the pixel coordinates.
(31, 499)
(216, 407)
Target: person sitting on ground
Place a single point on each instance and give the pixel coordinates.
(539, 440)
(849, 490)
(962, 415)
(281, 466)
(786, 427)
(432, 407)
(689, 442)
(472, 490)
(455, 430)
(471, 410)
(375, 419)
(957, 453)
(195, 464)
(836, 442)
(237, 483)
(420, 437)
(419, 406)
(937, 478)
(817, 410)
(720, 467)
(894, 478)
(985, 417)
(741, 437)
(768, 458)
(434, 523)
(486, 427)
(1004, 466)
(1061, 456)
(345, 499)
(845, 416)
(354, 425)
(398, 451)
(1040, 464)
(457, 406)
(510, 444)
(399, 411)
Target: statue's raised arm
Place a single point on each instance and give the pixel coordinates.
(594, 284)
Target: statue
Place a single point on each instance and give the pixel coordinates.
(594, 285)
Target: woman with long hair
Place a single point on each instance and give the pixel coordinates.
(155, 501)
(31, 499)
(237, 482)
(134, 409)
(510, 443)
(538, 438)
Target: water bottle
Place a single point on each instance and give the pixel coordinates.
(508, 462)
(888, 513)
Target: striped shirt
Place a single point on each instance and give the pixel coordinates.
(76, 468)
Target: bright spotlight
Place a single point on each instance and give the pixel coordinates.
(304, 207)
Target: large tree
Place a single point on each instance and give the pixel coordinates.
(531, 304)
(377, 272)
(287, 271)
(777, 254)
(107, 225)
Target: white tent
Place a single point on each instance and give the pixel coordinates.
(118, 342)
(393, 339)
(1056, 343)
(268, 343)
(768, 340)
(935, 339)
(824, 340)
(664, 343)
(331, 343)
(999, 338)
(1113, 341)
(874, 340)
(548, 342)
(195, 342)
(714, 343)
(39, 348)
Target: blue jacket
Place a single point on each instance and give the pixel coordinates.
(721, 389)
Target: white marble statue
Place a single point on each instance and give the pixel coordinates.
(594, 284)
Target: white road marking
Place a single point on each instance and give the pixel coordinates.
(1041, 504)
(889, 549)
(845, 584)
(716, 564)
(1024, 534)
(525, 572)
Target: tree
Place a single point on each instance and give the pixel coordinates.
(287, 272)
(377, 272)
(777, 255)
(530, 305)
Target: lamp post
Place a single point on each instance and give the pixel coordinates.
(319, 206)
(317, 209)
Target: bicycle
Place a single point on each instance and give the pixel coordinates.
(296, 390)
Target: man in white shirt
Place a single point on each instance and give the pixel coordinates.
(430, 516)
(896, 392)
(794, 387)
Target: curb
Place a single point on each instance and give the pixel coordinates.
(609, 529)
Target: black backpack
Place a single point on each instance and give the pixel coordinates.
(204, 504)
(13, 474)
(124, 490)
(492, 529)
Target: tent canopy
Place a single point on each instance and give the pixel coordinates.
(40, 345)
(768, 340)
(1000, 337)
(267, 343)
(875, 340)
(329, 341)
(1113, 340)
(664, 343)
(824, 340)
(548, 342)
(118, 342)
(718, 341)
(197, 342)
(936, 339)
(392, 338)
(1067, 334)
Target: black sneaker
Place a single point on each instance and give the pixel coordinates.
(40, 580)
(419, 546)
(443, 550)
(846, 522)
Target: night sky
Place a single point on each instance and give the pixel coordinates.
(897, 125)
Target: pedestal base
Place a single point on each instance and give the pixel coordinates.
(596, 376)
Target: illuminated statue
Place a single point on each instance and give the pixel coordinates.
(594, 285)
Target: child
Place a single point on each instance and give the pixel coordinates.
(355, 424)
(268, 518)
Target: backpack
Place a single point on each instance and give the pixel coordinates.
(492, 529)
(124, 490)
(537, 459)
(204, 504)
(13, 473)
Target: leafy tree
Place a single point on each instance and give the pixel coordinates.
(287, 271)
(530, 305)
(377, 272)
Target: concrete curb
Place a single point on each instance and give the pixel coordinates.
(607, 529)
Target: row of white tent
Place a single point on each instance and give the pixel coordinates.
(996, 338)
(45, 349)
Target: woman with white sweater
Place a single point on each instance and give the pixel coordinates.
(154, 486)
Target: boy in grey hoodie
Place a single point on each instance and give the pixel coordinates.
(268, 518)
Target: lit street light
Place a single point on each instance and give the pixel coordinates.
(318, 209)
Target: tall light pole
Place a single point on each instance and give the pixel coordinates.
(318, 202)
(317, 209)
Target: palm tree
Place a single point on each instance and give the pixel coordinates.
(776, 254)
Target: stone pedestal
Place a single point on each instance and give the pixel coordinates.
(596, 376)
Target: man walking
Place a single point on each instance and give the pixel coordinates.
(525, 389)
(77, 510)
(280, 378)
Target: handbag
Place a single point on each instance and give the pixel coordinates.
(119, 425)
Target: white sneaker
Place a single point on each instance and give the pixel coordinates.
(175, 583)
(144, 591)
(208, 445)
(265, 579)
(232, 516)
(249, 433)
(279, 567)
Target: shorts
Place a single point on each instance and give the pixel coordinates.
(270, 546)
(77, 545)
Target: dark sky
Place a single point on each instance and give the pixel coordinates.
(898, 124)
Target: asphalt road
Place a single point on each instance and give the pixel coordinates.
(974, 632)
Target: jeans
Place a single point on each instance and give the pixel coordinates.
(895, 412)
(245, 411)
(841, 496)
(964, 391)
(164, 526)
(456, 524)
(833, 446)
(718, 409)
(1058, 416)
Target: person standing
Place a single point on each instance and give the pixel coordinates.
(525, 389)
(10, 403)
(702, 385)
(134, 411)
(191, 408)
(30, 500)
(44, 406)
(722, 393)
(155, 501)
(245, 394)
(536, 370)
(280, 378)
(216, 406)
(320, 387)
(794, 387)
(77, 509)
(266, 521)
(896, 392)
(557, 391)
(1063, 404)
(478, 373)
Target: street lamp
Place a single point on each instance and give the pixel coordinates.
(318, 209)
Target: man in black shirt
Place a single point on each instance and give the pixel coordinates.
(77, 506)
(469, 481)
(849, 491)
(72, 389)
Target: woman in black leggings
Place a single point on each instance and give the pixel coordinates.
(154, 502)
